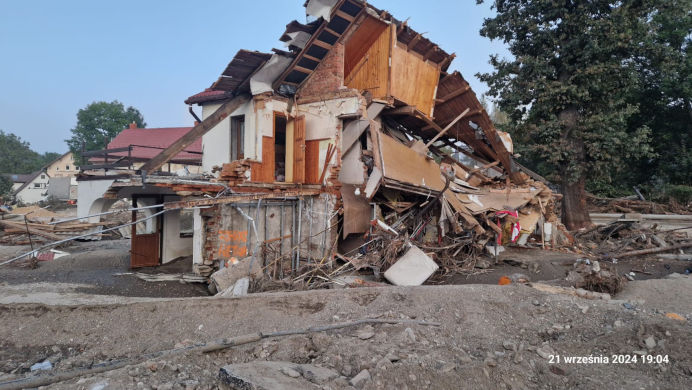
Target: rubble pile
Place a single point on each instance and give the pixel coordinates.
(35, 225)
(622, 236)
(632, 204)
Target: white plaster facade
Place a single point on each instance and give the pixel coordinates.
(35, 190)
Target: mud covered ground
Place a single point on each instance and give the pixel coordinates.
(490, 337)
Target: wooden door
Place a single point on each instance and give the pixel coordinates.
(312, 162)
(144, 250)
(299, 150)
(268, 163)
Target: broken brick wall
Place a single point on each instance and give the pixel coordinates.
(328, 76)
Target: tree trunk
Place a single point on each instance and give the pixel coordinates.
(575, 215)
(574, 212)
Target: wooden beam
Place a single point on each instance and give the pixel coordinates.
(344, 15)
(447, 60)
(309, 57)
(322, 44)
(199, 130)
(454, 94)
(413, 42)
(329, 30)
(405, 110)
(303, 70)
(430, 52)
(24, 228)
(446, 129)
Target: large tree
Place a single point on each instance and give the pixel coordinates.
(98, 123)
(16, 155)
(566, 88)
(665, 96)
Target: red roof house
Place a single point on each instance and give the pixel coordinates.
(147, 143)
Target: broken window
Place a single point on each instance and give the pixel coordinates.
(237, 137)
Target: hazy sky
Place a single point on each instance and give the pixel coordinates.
(58, 56)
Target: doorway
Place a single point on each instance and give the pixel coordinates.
(280, 147)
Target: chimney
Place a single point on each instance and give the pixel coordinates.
(133, 125)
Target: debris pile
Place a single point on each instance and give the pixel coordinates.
(633, 204)
(420, 211)
(594, 276)
(623, 237)
(35, 225)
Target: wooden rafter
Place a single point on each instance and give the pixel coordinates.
(413, 42)
(454, 94)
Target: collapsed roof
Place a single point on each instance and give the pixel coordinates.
(359, 24)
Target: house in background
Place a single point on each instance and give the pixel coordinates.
(134, 146)
(34, 188)
(63, 166)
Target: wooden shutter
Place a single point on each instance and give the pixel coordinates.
(299, 150)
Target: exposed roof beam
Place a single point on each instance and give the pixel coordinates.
(454, 94)
(413, 42)
(430, 52)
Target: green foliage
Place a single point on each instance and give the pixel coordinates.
(680, 193)
(5, 186)
(98, 123)
(16, 155)
(665, 96)
(566, 90)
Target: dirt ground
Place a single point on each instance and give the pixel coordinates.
(77, 311)
(93, 267)
(490, 337)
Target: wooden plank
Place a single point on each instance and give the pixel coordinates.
(414, 81)
(373, 74)
(312, 162)
(404, 165)
(199, 130)
(38, 232)
(299, 150)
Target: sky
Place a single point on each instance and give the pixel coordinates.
(57, 57)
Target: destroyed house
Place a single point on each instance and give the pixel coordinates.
(354, 131)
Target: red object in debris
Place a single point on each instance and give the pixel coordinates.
(504, 281)
(45, 256)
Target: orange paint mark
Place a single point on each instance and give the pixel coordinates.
(504, 281)
(232, 243)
